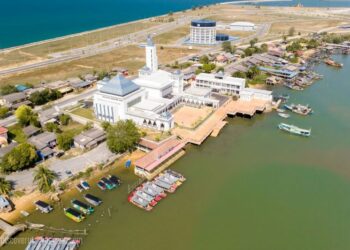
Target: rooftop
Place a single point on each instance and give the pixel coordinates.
(14, 97)
(89, 137)
(196, 91)
(118, 85)
(157, 79)
(42, 140)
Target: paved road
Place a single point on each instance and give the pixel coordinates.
(100, 154)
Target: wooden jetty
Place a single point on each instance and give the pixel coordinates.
(9, 231)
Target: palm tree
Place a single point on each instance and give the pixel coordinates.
(5, 186)
(44, 177)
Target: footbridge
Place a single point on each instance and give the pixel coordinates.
(9, 231)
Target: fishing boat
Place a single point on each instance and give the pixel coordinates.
(151, 192)
(114, 179)
(32, 244)
(109, 185)
(166, 186)
(93, 200)
(155, 188)
(281, 110)
(43, 206)
(85, 184)
(73, 214)
(299, 109)
(52, 244)
(101, 185)
(72, 245)
(283, 115)
(79, 187)
(139, 202)
(294, 129)
(176, 174)
(146, 197)
(330, 62)
(82, 207)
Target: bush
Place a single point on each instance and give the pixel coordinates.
(64, 119)
(65, 141)
(25, 116)
(3, 112)
(52, 127)
(20, 157)
(43, 97)
(8, 89)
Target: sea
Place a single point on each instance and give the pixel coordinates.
(25, 21)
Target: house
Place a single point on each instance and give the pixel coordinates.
(77, 84)
(62, 86)
(14, 100)
(89, 139)
(221, 59)
(44, 143)
(30, 131)
(90, 78)
(49, 115)
(8, 148)
(5, 205)
(249, 94)
(3, 136)
(120, 70)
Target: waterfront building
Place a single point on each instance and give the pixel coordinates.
(242, 26)
(203, 32)
(249, 94)
(220, 83)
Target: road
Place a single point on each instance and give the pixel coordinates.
(98, 155)
(69, 100)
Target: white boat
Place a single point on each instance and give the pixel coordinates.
(294, 129)
(283, 115)
(281, 110)
(85, 185)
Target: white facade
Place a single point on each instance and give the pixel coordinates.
(242, 26)
(220, 83)
(203, 32)
(249, 94)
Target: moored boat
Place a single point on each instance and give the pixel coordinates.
(72, 245)
(294, 129)
(82, 207)
(330, 62)
(109, 185)
(155, 188)
(32, 244)
(101, 185)
(73, 214)
(93, 200)
(299, 109)
(283, 115)
(85, 185)
(114, 179)
(79, 188)
(146, 197)
(139, 202)
(43, 206)
(176, 174)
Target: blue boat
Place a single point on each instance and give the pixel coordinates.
(101, 185)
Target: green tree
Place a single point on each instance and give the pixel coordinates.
(42, 97)
(105, 125)
(65, 140)
(5, 186)
(44, 178)
(204, 59)
(253, 72)
(3, 112)
(52, 127)
(208, 67)
(8, 89)
(123, 136)
(249, 51)
(226, 46)
(264, 48)
(253, 42)
(88, 126)
(25, 115)
(239, 74)
(222, 69)
(20, 157)
(64, 119)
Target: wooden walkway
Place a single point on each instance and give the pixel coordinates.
(9, 231)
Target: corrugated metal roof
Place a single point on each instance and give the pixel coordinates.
(119, 85)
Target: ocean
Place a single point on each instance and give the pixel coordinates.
(24, 21)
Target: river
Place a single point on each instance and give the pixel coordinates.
(251, 188)
(20, 19)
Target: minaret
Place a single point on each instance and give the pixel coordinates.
(151, 55)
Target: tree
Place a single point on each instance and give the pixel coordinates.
(227, 47)
(123, 136)
(204, 60)
(291, 31)
(3, 112)
(64, 119)
(8, 89)
(5, 186)
(253, 42)
(25, 115)
(253, 72)
(264, 48)
(105, 125)
(239, 74)
(44, 178)
(65, 140)
(88, 126)
(20, 157)
(52, 127)
(222, 69)
(249, 51)
(208, 67)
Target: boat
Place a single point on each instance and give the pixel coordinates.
(158, 190)
(281, 110)
(85, 185)
(72, 245)
(42, 243)
(299, 109)
(114, 179)
(32, 244)
(73, 214)
(139, 202)
(62, 243)
(93, 200)
(166, 186)
(108, 184)
(43, 206)
(176, 174)
(283, 115)
(52, 244)
(151, 192)
(330, 62)
(146, 197)
(101, 185)
(82, 207)
(79, 187)
(294, 129)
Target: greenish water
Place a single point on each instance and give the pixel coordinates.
(252, 188)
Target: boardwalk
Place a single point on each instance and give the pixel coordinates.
(9, 231)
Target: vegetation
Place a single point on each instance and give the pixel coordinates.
(25, 116)
(295, 46)
(227, 47)
(20, 157)
(336, 38)
(8, 89)
(5, 186)
(88, 125)
(105, 125)
(16, 133)
(239, 74)
(64, 119)
(264, 48)
(45, 96)
(65, 140)
(44, 178)
(52, 127)
(204, 59)
(3, 112)
(253, 42)
(123, 136)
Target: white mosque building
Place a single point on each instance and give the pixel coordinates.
(147, 99)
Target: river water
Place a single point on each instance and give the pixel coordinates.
(251, 188)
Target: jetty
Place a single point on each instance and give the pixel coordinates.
(9, 231)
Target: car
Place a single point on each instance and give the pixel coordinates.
(69, 173)
(59, 154)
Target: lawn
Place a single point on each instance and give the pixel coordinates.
(73, 127)
(172, 36)
(16, 133)
(84, 112)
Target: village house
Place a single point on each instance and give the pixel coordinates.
(49, 115)
(44, 143)
(62, 86)
(3, 136)
(89, 139)
(14, 100)
(78, 84)
(30, 131)
(6, 149)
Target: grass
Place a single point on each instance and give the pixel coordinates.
(172, 36)
(84, 112)
(16, 133)
(73, 127)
